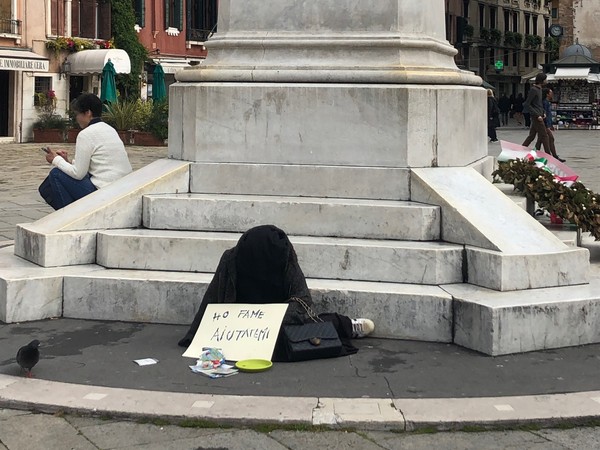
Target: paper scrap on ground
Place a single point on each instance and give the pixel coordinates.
(145, 361)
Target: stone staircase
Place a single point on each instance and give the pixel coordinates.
(144, 249)
(377, 257)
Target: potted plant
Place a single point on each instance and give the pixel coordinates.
(518, 39)
(495, 35)
(469, 30)
(484, 35)
(122, 117)
(156, 129)
(509, 39)
(49, 127)
(73, 129)
(530, 41)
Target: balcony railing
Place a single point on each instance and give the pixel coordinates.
(10, 26)
(195, 34)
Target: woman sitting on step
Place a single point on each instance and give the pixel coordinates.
(263, 268)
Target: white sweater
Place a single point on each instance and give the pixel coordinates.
(98, 151)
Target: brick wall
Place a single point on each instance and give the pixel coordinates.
(579, 20)
(565, 19)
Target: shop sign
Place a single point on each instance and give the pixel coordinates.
(31, 65)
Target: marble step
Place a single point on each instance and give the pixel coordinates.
(30, 292)
(500, 323)
(303, 180)
(484, 320)
(320, 257)
(373, 219)
(401, 311)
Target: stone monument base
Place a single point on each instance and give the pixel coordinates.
(365, 125)
(148, 253)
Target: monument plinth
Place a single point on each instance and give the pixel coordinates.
(330, 41)
(329, 82)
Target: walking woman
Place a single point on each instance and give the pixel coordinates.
(493, 116)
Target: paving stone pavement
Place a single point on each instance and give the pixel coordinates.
(23, 170)
(21, 430)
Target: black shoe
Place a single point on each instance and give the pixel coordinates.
(493, 140)
(560, 159)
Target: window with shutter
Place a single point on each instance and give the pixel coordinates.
(174, 14)
(57, 15)
(140, 12)
(103, 20)
(87, 19)
(179, 14)
(75, 18)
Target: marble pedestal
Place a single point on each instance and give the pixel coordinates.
(368, 125)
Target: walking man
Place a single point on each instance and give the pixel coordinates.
(504, 105)
(548, 95)
(536, 108)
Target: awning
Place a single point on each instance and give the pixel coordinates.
(92, 61)
(23, 60)
(487, 85)
(530, 76)
(175, 65)
(572, 73)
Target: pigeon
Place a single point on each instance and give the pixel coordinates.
(28, 356)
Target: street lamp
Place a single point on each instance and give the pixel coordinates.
(65, 69)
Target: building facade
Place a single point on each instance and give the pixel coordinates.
(173, 32)
(579, 22)
(22, 61)
(62, 45)
(503, 41)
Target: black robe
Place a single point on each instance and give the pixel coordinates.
(224, 285)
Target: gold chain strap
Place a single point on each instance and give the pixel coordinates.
(308, 309)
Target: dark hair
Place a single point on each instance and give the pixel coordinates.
(545, 92)
(88, 102)
(540, 78)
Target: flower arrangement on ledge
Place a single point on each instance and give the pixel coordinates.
(45, 102)
(74, 44)
(572, 202)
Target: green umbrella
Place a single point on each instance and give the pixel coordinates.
(159, 91)
(109, 89)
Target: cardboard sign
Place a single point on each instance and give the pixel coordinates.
(241, 331)
(511, 150)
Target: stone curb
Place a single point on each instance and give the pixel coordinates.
(334, 413)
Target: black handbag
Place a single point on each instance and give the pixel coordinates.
(314, 340)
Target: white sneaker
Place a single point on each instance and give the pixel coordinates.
(362, 327)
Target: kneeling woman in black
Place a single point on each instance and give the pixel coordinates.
(263, 268)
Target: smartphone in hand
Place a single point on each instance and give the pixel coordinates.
(45, 149)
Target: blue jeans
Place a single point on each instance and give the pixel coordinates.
(66, 189)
